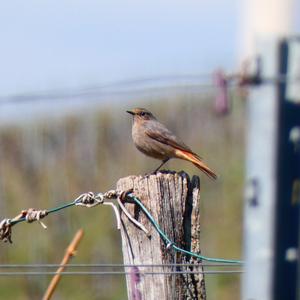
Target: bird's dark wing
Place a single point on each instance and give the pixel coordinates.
(160, 133)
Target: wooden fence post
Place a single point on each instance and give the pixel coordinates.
(173, 200)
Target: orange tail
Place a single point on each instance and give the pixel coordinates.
(197, 162)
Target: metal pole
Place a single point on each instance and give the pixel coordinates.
(271, 229)
(261, 179)
(288, 173)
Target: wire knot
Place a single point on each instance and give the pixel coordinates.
(124, 196)
(112, 194)
(5, 230)
(89, 199)
(33, 214)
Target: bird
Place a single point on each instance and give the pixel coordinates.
(155, 140)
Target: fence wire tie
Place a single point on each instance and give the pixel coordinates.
(122, 198)
(30, 215)
(5, 230)
(33, 214)
(170, 244)
(91, 200)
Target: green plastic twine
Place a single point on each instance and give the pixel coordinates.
(163, 236)
(169, 243)
(13, 222)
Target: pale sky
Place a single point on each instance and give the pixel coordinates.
(73, 44)
(64, 44)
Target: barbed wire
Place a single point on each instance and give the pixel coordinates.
(91, 200)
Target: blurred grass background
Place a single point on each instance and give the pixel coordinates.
(49, 162)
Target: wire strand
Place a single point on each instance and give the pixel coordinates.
(218, 272)
(91, 200)
(209, 265)
(140, 85)
(168, 242)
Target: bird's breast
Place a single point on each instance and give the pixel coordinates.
(147, 145)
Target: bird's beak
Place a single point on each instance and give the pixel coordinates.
(130, 112)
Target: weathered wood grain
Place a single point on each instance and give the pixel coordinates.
(173, 200)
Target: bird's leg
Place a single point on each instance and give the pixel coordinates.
(163, 162)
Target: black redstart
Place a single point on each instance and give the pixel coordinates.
(155, 140)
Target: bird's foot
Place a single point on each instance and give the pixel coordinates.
(159, 171)
(151, 173)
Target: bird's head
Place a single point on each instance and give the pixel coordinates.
(141, 114)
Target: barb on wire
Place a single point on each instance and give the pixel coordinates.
(30, 215)
(91, 200)
(5, 230)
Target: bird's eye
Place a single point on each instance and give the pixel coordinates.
(143, 114)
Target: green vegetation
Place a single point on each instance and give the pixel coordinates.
(45, 164)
